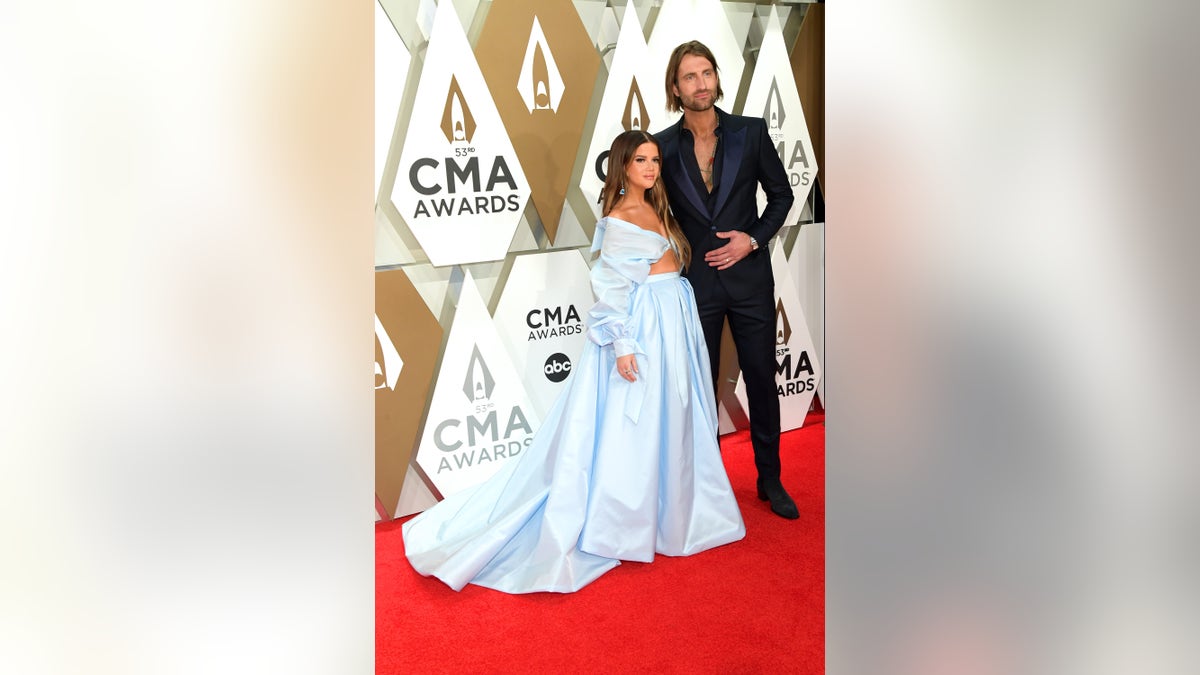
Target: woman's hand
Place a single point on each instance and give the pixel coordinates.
(627, 367)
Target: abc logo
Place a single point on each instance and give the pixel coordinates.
(557, 368)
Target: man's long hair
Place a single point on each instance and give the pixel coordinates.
(693, 48)
(620, 156)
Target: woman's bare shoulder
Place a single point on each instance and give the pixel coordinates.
(637, 217)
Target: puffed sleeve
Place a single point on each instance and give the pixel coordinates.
(625, 257)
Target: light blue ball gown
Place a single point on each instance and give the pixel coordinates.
(617, 470)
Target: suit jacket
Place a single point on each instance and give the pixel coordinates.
(749, 159)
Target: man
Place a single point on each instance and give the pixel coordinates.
(712, 165)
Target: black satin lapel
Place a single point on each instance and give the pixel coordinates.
(735, 146)
(684, 183)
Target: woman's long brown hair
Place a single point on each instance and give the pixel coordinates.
(620, 154)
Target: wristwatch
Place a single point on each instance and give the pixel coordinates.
(753, 244)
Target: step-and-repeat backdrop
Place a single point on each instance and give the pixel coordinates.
(493, 121)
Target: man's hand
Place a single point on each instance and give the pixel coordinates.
(731, 253)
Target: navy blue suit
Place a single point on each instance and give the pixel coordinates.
(744, 293)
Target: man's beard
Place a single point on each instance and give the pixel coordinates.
(695, 106)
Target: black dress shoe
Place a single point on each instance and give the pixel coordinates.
(781, 503)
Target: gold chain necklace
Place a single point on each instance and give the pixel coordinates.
(712, 158)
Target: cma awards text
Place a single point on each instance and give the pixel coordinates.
(797, 179)
(550, 322)
(791, 375)
(448, 437)
(424, 177)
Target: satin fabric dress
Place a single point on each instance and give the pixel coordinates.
(617, 470)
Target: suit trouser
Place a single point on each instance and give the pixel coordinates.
(752, 325)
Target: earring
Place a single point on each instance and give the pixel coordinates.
(622, 190)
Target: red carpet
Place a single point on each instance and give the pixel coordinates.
(754, 606)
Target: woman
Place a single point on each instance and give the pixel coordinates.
(626, 463)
